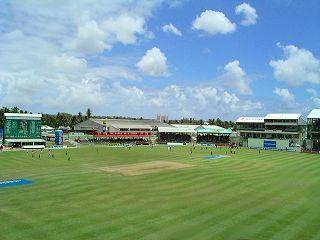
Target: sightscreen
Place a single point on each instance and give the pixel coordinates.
(22, 129)
(269, 144)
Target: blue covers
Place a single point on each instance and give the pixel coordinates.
(214, 157)
(14, 182)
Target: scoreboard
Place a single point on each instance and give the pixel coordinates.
(22, 129)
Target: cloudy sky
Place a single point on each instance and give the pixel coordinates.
(183, 58)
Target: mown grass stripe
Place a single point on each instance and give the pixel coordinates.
(246, 195)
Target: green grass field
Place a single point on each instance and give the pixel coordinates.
(274, 195)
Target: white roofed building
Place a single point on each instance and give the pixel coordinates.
(286, 126)
(284, 118)
(250, 127)
(289, 127)
(314, 114)
(313, 121)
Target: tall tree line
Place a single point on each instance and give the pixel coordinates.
(221, 123)
(62, 119)
(211, 121)
(69, 120)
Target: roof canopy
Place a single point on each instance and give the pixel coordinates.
(186, 126)
(121, 125)
(250, 120)
(45, 127)
(315, 113)
(27, 116)
(179, 128)
(213, 129)
(24, 140)
(283, 116)
(129, 123)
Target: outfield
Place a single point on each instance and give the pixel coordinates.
(274, 195)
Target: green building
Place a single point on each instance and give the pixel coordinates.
(23, 130)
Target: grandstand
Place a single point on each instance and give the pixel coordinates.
(286, 126)
(250, 127)
(120, 130)
(213, 134)
(181, 133)
(313, 138)
(125, 130)
(286, 131)
(194, 133)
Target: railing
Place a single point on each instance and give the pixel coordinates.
(283, 130)
(123, 134)
(281, 123)
(314, 129)
(249, 129)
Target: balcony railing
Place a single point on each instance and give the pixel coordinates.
(281, 123)
(313, 129)
(250, 129)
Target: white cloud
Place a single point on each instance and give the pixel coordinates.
(113, 73)
(38, 76)
(93, 38)
(299, 66)
(124, 28)
(285, 95)
(177, 101)
(90, 39)
(250, 106)
(206, 50)
(213, 23)
(52, 54)
(86, 92)
(312, 92)
(125, 100)
(67, 64)
(169, 28)
(314, 100)
(200, 100)
(153, 63)
(176, 3)
(249, 13)
(50, 58)
(235, 78)
(88, 27)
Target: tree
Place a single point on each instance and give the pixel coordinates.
(74, 121)
(15, 110)
(219, 122)
(88, 113)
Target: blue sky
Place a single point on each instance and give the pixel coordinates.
(202, 59)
